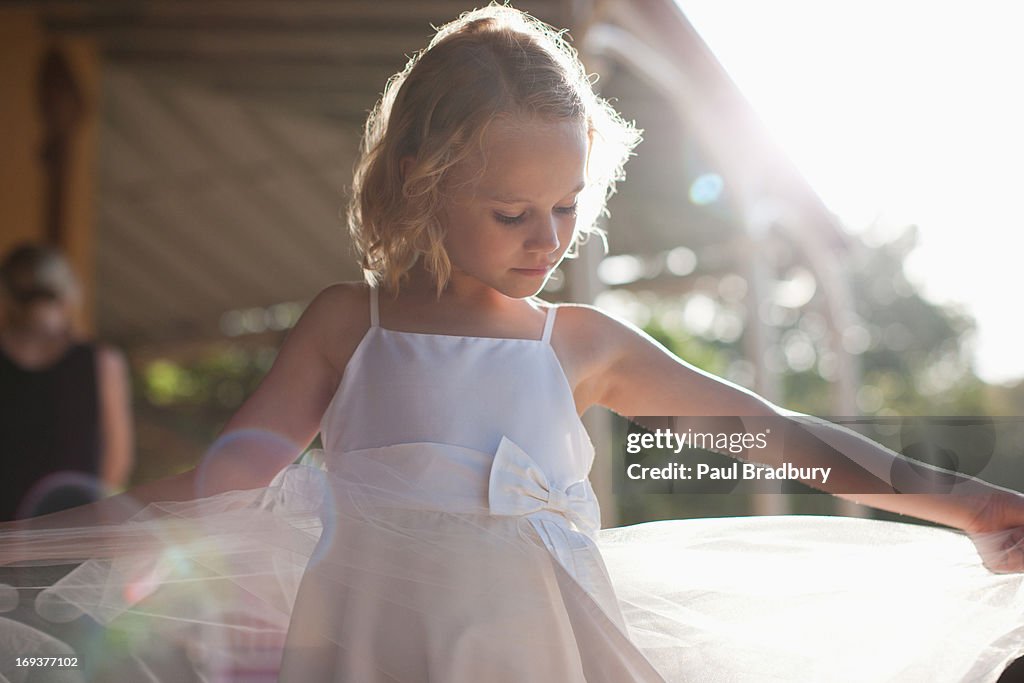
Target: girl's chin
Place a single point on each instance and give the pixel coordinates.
(524, 290)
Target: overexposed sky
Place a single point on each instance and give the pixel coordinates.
(898, 112)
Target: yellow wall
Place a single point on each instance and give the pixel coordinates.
(23, 43)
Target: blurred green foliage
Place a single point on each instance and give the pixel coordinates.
(917, 364)
(182, 404)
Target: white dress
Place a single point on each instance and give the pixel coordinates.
(449, 533)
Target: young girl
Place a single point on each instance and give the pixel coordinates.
(451, 533)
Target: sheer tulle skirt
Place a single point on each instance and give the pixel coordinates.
(804, 598)
(350, 576)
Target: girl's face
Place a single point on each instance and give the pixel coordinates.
(509, 221)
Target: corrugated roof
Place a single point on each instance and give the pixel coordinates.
(227, 138)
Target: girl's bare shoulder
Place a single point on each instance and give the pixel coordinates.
(581, 321)
(583, 339)
(338, 317)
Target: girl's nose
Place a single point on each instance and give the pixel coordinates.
(544, 236)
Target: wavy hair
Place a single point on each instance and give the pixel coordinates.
(491, 62)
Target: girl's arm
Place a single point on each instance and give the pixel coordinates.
(269, 430)
(634, 375)
(115, 409)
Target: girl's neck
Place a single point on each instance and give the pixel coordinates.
(462, 292)
(466, 306)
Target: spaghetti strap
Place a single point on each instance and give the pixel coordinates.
(374, 311)
(549, 323)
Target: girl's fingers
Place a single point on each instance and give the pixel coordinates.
(1015, 550)
(1002, 552)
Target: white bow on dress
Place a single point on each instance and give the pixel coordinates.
(518, 486)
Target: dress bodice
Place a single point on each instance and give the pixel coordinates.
(475, 416)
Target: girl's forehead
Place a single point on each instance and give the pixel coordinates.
(510, 134)
(527, 157)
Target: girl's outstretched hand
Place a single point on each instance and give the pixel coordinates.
(998, 532)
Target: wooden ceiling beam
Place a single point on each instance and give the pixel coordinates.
(284, 12)
(318, 75)
(349, 44)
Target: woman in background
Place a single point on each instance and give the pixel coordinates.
(65, 408)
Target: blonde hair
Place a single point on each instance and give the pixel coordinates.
(491, 62)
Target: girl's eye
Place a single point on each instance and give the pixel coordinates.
(502, 218)
(511, 220)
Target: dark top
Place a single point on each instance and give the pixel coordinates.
(49, 425)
